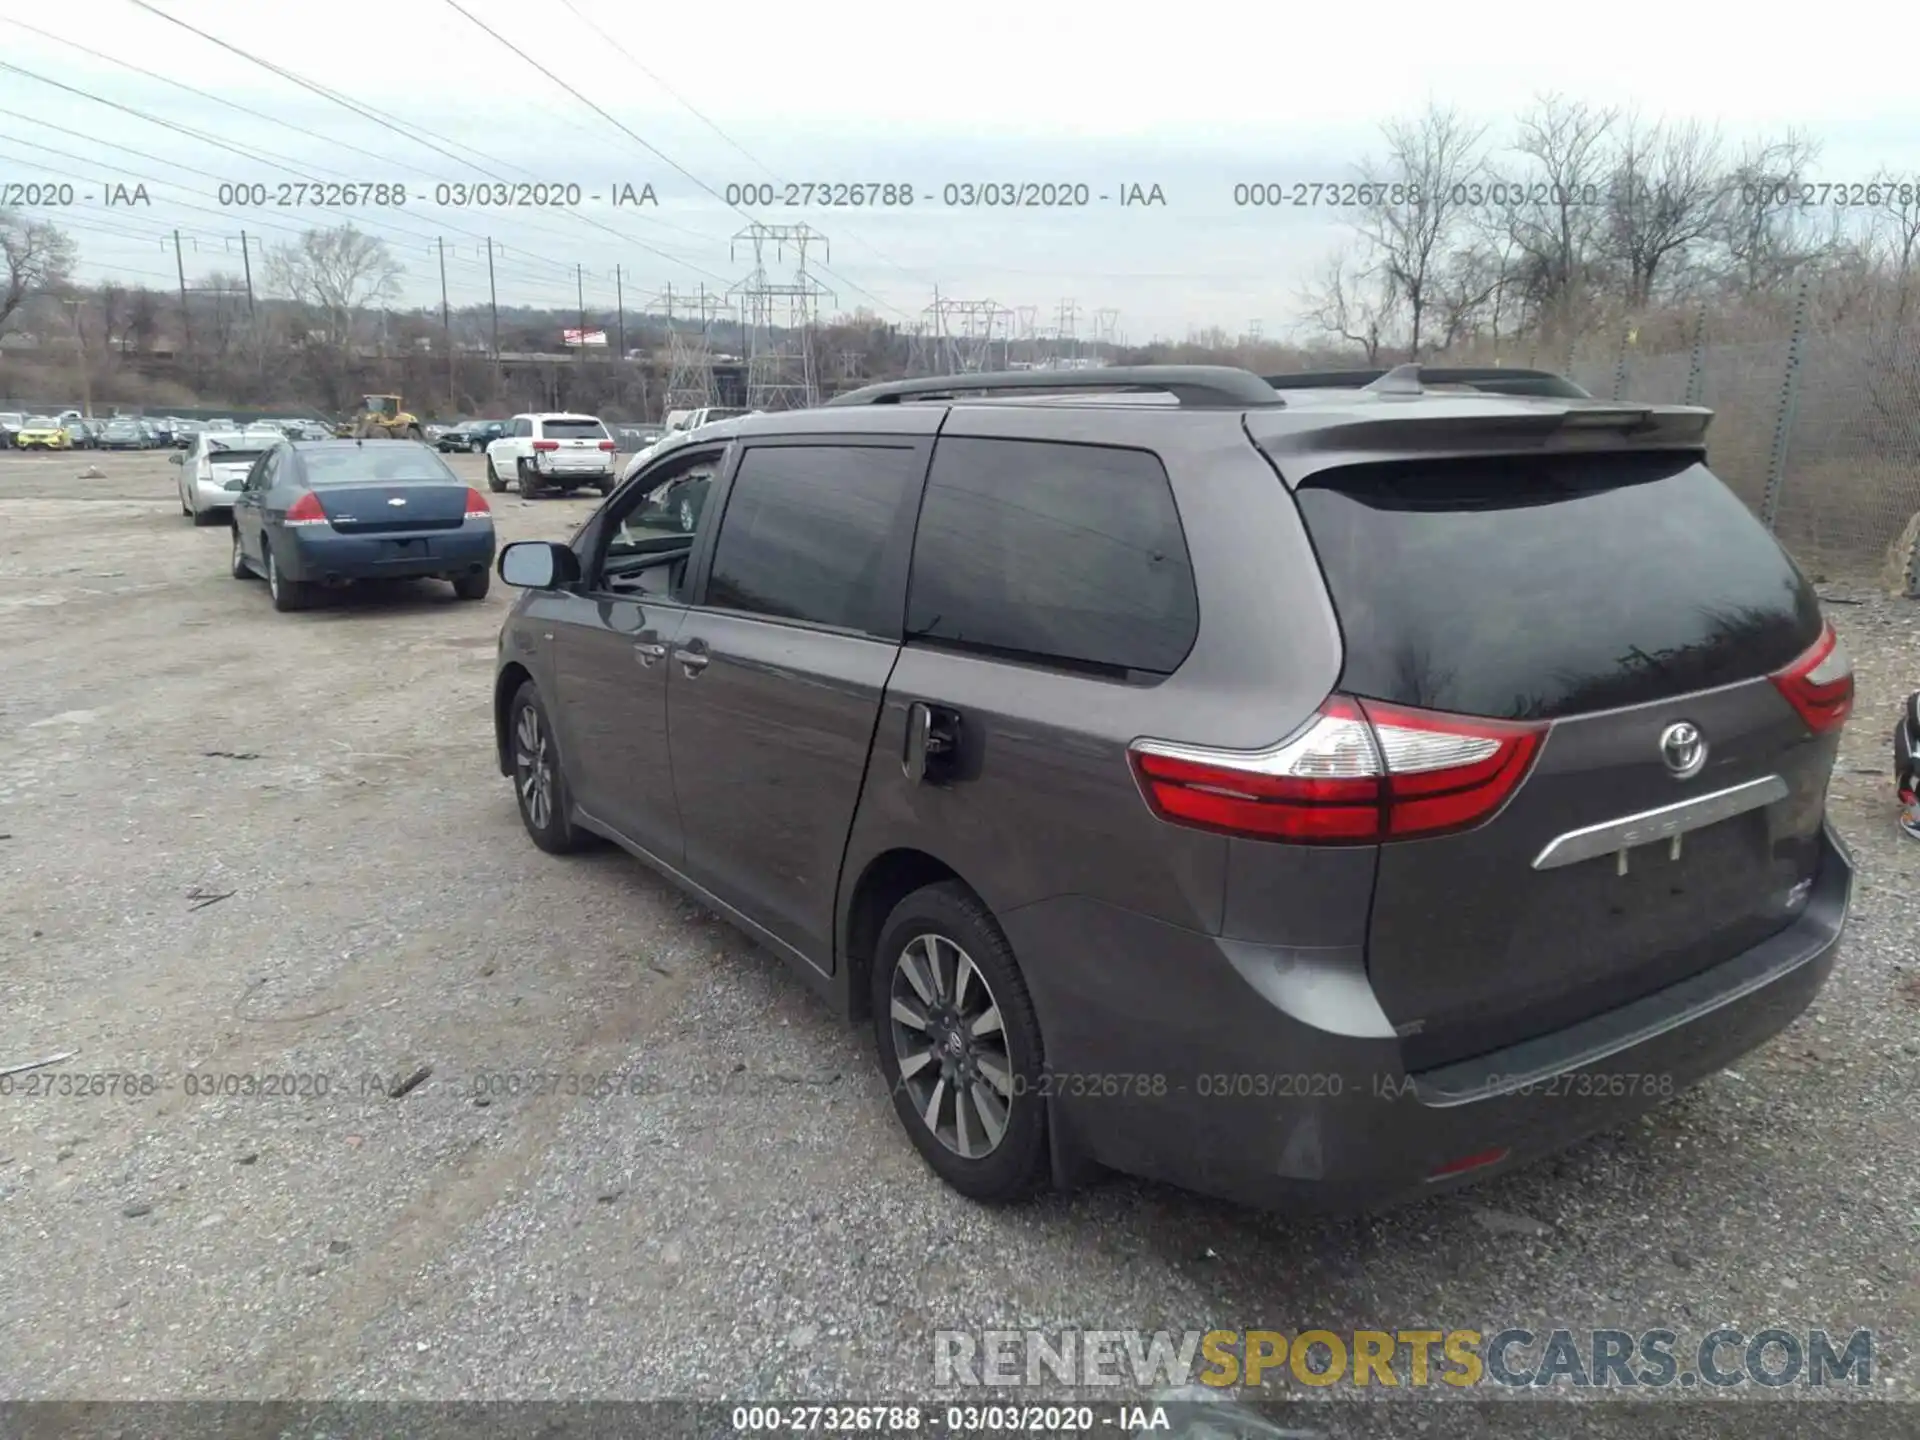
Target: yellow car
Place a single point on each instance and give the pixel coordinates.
(43, 432)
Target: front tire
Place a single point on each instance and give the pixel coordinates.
(288, 595)
(959, 1045)
(539, 779)
(494, 482)
(473, 587)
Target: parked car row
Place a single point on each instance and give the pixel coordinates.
(71, 430)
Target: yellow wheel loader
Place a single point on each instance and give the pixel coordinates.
(382, 418)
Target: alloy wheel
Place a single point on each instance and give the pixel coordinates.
(533, 768)
(952, 1048)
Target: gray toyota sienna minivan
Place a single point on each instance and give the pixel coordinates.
(1310, 792)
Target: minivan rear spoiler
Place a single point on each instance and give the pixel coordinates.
(1474, 425)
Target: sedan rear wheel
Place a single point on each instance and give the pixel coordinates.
(241, 570)
(287, 594)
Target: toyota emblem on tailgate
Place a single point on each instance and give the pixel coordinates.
(1684, 749)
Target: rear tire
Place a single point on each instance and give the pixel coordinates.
(288, 595)
(944, 972)
(473, 587)
(205, 518)
(529, 482)
(238, 566)
(539, 779)
(494, 482)
(606, 488)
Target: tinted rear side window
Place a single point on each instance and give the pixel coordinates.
(806, 531)
(1062, 553)
(1539, 587)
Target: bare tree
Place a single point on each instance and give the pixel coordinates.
(1556, 212)
(334, 273)
(39, 259)
(143, 320)
(1353, 300)
(1763, 224)
(1662, 198)
(1413, 205)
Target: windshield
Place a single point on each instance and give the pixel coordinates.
(41, 422)
(375, 464)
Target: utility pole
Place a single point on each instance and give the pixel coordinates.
(620, 310)
(246, 264)
(493, 306)
(180, 268)
(446, 325)
(86, 370)
(580, 290)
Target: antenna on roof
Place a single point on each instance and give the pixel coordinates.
(1400, 380)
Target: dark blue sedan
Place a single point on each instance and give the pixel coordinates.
(325, 513)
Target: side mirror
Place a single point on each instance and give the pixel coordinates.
(539, 565)
(176, 459)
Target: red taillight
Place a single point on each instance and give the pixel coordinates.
(546, 444)
(306, 511)
(606, 445)
(477, 507)
(1820, 683)
(1360, 773)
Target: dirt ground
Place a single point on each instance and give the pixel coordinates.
(741, 1217)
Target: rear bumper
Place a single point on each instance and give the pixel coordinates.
(1266, 1077)
(210, 495)
(326, 557)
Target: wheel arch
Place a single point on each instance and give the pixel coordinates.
(505, 686)
(887, 879)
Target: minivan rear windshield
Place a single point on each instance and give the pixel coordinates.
(1537, 587)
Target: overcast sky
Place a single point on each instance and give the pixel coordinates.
(1192, 99)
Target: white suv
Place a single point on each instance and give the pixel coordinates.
(553, 452)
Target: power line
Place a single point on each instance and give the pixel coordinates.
(404, 129)
(228, 216)
(714, 126)
(634, 136)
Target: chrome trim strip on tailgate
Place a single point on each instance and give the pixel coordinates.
(1669, 820)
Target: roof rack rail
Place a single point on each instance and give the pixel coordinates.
(1410, 379)
(1192, 385)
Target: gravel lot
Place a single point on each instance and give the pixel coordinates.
(751, 1222)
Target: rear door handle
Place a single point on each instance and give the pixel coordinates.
(648, 649)
(693, 657)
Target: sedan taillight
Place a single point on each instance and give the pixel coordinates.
(306, 511)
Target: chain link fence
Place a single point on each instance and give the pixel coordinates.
(1817, 430)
